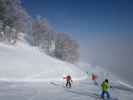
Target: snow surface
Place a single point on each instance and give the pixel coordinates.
(28, 74)
(23, 62)
(55, 90)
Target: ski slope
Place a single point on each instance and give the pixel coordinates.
(55, 90)
(28, 74)
(25, 63)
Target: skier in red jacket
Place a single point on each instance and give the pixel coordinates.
(94, 79)
(68, 81)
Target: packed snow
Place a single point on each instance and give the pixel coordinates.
(55, 90)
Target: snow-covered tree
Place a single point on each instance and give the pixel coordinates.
(1, 31)
(42, 34)
(13, 16)
(65, 48)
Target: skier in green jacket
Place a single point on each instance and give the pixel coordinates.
(105, 89)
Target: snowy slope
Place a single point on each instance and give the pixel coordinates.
(23, 62)
(54, 90)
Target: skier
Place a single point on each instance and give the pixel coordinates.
(105, 89)
(94, 78)
(68, 81)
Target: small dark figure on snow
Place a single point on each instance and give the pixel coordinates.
(68, 81)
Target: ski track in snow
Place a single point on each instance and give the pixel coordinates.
(57, 91)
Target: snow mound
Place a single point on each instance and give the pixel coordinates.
(23, 62)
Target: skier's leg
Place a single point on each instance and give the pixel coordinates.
(102, 94)
(69, 84)
(66, 83)
(95, 82)
(108, 95)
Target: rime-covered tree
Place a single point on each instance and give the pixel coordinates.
(13, 16)
(65, 48)
(42, 34)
